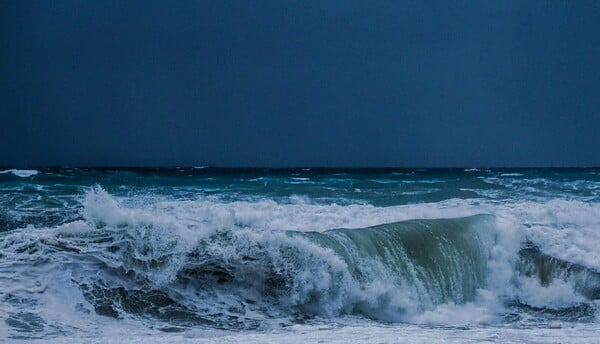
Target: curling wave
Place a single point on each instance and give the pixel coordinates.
(139, 263)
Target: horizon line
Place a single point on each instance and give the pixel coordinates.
(250, 167)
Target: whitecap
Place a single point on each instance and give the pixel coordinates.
(20, 173)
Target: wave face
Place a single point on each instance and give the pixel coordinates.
(173, 263)
(416, 264)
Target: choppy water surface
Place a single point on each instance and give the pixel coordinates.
(277, 255)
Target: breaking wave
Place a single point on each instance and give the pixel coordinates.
(226, 268)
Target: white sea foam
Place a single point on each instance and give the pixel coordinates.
(353, 332)
(484, 310)
(557, 295)
(20, 173)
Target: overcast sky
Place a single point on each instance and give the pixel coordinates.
(300, 83)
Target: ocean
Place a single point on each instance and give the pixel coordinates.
(299, 255)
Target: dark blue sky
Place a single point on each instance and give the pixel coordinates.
(300, 83)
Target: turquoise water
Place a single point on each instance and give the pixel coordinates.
(262, 251)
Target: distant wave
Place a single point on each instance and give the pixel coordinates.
(511, 175)
(20, 173)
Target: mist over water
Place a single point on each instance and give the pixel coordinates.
(175, 254)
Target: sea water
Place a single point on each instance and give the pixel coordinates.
(300, 255)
